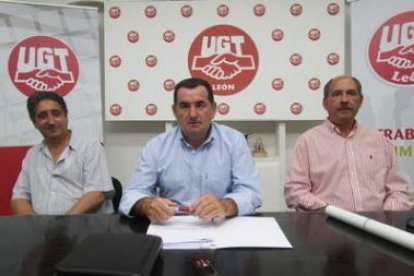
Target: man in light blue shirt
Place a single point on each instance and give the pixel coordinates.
(65, 173)
(203, 165)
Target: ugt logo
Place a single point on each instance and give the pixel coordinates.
(43, 63)
(226, 57)
(391, 51)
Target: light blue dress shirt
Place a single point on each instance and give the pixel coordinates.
(53, 188)
(171, 168)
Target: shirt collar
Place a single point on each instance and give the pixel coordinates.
(212, 133)
(73, 143)
(333, 128)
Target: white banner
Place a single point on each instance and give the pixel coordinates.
(50, 48)
(383, 59)
(266, 60)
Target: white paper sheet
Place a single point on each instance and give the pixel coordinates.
(382, 230)
(188, 232)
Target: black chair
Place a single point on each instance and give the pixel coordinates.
(118, 193)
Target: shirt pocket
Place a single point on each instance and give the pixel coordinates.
(217, 179)
(377, 167)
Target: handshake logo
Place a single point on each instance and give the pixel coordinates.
(225, 56)
(43, 63)
(223, 66)
(44, 79)
(396, 55)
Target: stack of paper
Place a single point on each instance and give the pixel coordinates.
(188, 232)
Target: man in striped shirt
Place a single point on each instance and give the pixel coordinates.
(64, 174)
(343, 163)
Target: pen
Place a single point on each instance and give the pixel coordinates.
(203, 240)
(181, 210)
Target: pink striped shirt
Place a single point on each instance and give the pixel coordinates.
(357, 173)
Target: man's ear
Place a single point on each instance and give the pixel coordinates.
(324, 103)
(214, 109)
(174, 110)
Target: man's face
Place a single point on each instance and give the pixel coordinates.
(50, 120)
(343, 101)
(194, 113)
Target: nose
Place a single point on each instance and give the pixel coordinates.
(193, 112)
(344, 98)
(50, 119)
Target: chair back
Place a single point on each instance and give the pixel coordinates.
(118, 193)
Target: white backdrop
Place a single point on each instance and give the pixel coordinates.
(267, 59)
(53, 48)
(383, 59)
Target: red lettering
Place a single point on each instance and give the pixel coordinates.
(400, 133)
(409, 133)
(387, 133)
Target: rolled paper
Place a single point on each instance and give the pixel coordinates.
(372, 226)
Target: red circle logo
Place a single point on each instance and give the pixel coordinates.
(277, 34)
(151, 109)
(314, 83)
(186, 11)
(278, 84)
(226, 57)
(114, 12)
(115, 61)
(223, 109)
(133, 85)
(133, 36)
(314, 34)
(260, 108)
(115, 109)
(223, 10)
(333, 9)
(43, 63)
(295, 59)
(151, 61)
(168, 36)
(296, 108)
(296, 9)
(332, 58)
(259, 10)
(391, 50)
(169, 85)
(150, 11)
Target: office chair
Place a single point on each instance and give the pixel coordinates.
(118, 193)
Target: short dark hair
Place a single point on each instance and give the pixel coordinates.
(328, 86)
(39, 96)
(193, 83)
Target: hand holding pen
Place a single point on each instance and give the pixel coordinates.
(156, 209)
(209, 208)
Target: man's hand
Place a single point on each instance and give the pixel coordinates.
(22, 206)
(88, 203)
(209, 206)
(156, 209)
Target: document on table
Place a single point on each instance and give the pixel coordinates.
(188, 232)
